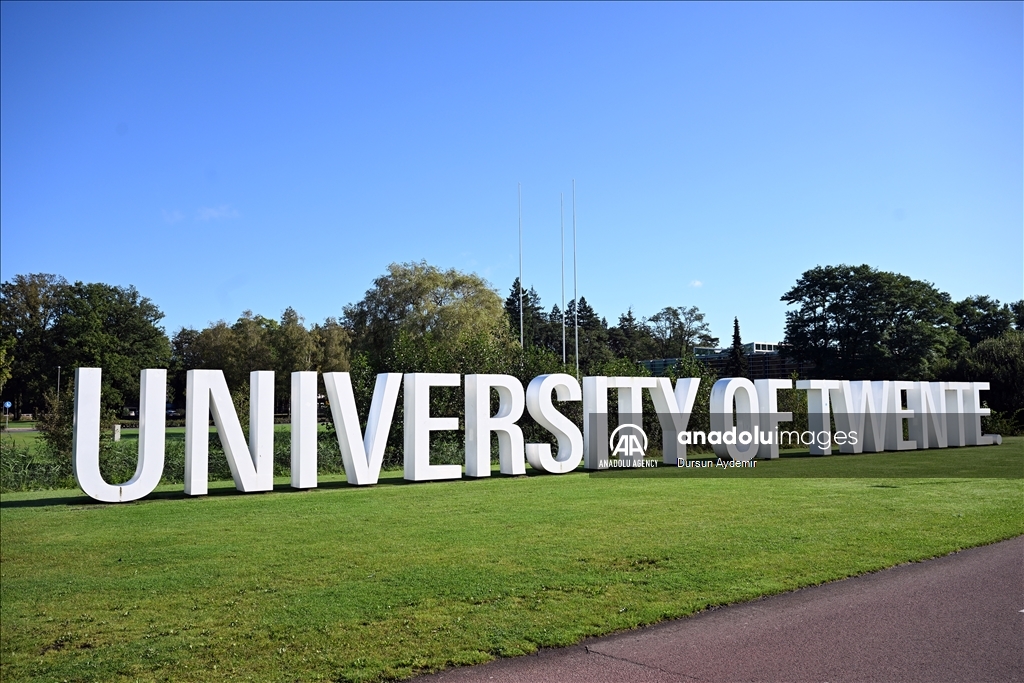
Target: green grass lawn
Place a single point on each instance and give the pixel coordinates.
(19, 439)
(384, 582)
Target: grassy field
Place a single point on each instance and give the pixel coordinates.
(384, 582)
(18, 438)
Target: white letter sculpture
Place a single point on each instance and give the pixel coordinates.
(741, 392)
(818, 411)
(974, 414)
(871, 415)
(928, 428)
(595, 413)
(570, 440)
(85, 438)
(252, 465)
(362, 456)
(480, 424)
(860, 408)
(595, 423)
(419, 424)
(304, 430)
(674, 414)
(894, 440)
(768, 399)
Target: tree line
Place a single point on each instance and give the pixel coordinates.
(845, 322)
(856, 322)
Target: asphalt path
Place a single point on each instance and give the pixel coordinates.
(954, 618)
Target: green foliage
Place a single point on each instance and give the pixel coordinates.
(29, 467)
(331, 344)
(631, 339)
(1005, 423)
(57, 420)
(6, 361)
(254, 342)
(999, 361)
(594, 349)
(855, 322)
(794, 401)
(670, 333)
(851, 322)
(54, 323)
(535, 324)
(36, 465)
(1017, 307)
(980, 318)
(737, 365)
(700, 416)
(29, 308)
(113, 328)
(417, 300)
(678, 330)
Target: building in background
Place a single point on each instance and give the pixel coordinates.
(765, 360)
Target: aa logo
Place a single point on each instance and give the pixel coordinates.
(628, 444)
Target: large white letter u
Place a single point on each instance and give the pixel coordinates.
(85, 444)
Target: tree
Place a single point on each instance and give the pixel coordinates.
(679, 330)
(631, 338)
(185, 356)
(1017, 307)
(594, 350)
(29, 308)
(54, 323)
(535, 322)
(855, 322)
(114, 328)
(419, 300)
(6, 360)
(980, 318)
(255, 347)
(254, 342)
(332, 343)
(737, 363)
(999, 361)
(295, 350)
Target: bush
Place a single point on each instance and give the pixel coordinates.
(27, 468)
(1006, 423)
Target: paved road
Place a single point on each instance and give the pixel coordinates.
(955, 618)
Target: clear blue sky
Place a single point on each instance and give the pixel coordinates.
(223, 157)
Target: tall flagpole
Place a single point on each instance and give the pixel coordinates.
(575, 296)
(561, 241)
(521, 341)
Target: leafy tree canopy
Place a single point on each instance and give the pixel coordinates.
(421, 300)
(254, 342)
(980, 318)
(54, 323)
(855, 322)
(679, 330)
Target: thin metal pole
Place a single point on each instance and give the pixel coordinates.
(58, 385)
(575, 296)
(561, 241)
(521, 338)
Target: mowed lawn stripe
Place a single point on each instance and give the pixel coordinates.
(385, 582)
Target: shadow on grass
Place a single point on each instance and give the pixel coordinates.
(988, 462)
(221, 489)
